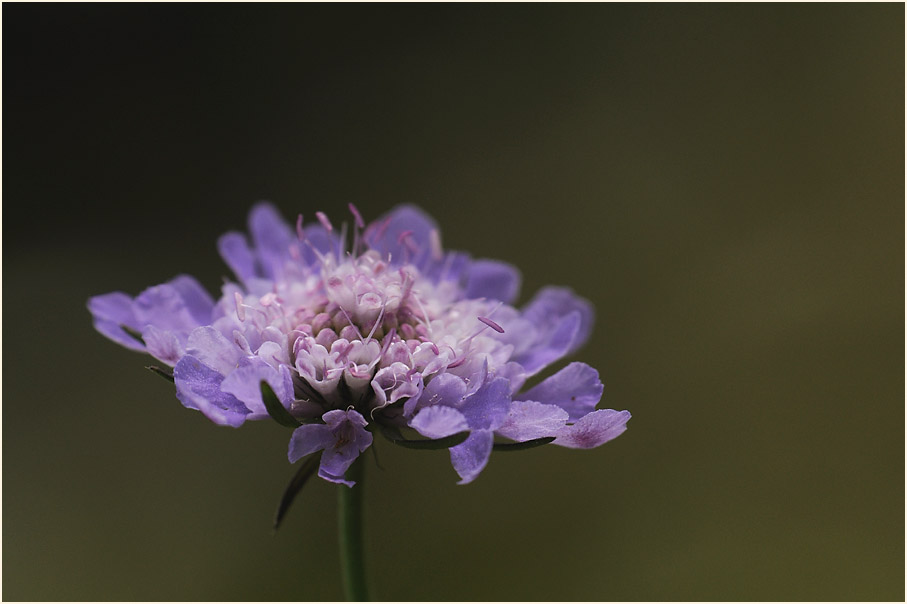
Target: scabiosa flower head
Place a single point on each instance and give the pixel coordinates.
(370, 327)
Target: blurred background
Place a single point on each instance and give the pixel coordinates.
(724, 183)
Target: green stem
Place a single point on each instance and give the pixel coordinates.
(352, 554)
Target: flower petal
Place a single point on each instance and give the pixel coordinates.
(198, 387)
(196, 300)
(213, 349)
(234, 249)
(307, 439)
(492, 279)
(272, 237)
(351, 439)
(550, 311)
(575, 388)
(594, 429)
(471, 456)
(245, 384)
(445, 389)
(388, 232)
(528, 420)
(318, 238)
(439, 421)
(551, 345)
(163, 306)
(109, 312)
(487, 408)
(163, 345)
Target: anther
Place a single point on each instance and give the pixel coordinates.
(355, 212)
(324, 221)
(491, 324)
(240, 307)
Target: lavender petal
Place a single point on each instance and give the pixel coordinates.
(109, 311)
(438, 422)
(234, 249)
(488, 407)
(492, 279)
(470, 457)
(198, 387)
(594, 429)
(575, 388)
(528, 420)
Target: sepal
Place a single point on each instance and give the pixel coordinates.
(161, 372)
(393, 435)
(527, 444)
(275, 409)
(301, 477)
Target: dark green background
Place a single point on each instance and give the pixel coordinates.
(724, 183)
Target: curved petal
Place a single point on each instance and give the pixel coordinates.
(492, 279)
(594, 429)
(528, 420)
(272, 237)
(163, 306)
(450, 267)
(552, 344)
(163, 345)
(387, 234)
(445, 389)
(351, 439)
(487, 408)
(109, 311)
(245, 384)
(198, 387)
(234, 249)
(197, 300)
(213, 349)
(308, 439)
(551, 304)
(439, 421)
(575, 388)
(470, 457)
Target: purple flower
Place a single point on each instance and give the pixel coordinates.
(381, 329)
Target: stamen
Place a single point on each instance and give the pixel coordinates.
(345, 314)
(424, 312)
(434, 238)
(315, 251)
(358, 224)
(491, 324)
(240, 307)
(324, 221)
(378, 320)
(355, 212)
(299, 232)
(341, 244)
(410, 247)
(457, 362)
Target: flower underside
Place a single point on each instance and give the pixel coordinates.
(370, 327)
